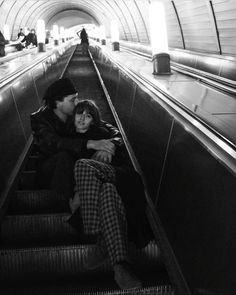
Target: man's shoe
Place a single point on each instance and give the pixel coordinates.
(125, 278)
(94, 259)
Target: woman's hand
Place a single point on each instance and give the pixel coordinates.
(102, 145)
(102, 156)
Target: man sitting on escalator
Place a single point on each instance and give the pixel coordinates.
(60, 148)
(58, 151)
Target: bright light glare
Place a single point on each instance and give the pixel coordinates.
(158, 31)
(6, 32)
(26, 30)
(102, 32)
(114, 31)
(62, 32)
(41, 34)
(55, 32)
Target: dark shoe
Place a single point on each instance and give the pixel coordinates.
(125, 278)
(94, 259)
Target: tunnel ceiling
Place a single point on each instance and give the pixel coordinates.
(200, 25)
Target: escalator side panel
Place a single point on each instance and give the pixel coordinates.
(150, 126)
(124, 100)
(26, 100)
(12, 139)
(195, 205)
(194, 192)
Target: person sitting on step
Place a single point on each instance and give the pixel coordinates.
(110, 196)
(57, 149)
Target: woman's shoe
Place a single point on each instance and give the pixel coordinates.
(94, 259)
(125, 278)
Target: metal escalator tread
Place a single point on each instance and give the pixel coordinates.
(37, 201)
(75, 290)
(62, 263)
(39, 229)
(40, 252)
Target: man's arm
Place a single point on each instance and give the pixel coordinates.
(115, 140)
(115, 135)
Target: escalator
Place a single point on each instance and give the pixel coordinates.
(40, 253)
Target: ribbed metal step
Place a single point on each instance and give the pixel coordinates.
(99, 285)
(39, 229)
(65, 261)
(42, 201)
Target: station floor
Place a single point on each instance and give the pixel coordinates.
(216, 108)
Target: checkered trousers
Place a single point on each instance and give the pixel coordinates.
(101, 206)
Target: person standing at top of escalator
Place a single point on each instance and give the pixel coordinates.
(20, 35)
(84, 41)
(84, 36)
(30, 39)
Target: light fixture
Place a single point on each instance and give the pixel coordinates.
(102, 35)
(62, 34)
(159, 40)
(41, 35)
(115, 36)
(6, 33)
(55, 34)
(26, 31)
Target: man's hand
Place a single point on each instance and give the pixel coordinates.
(102, 156)
(102, 145)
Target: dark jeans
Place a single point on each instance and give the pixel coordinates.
(57, 173)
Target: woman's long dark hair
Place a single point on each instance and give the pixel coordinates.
(90, 107)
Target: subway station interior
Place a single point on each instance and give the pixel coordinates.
(162, 72)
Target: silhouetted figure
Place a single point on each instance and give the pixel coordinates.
(84, 41)
(84, 36)
(2, 44)
(20, 35)
(31, 38)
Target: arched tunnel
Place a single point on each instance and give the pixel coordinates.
(163, 73)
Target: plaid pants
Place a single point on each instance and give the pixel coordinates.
(102, 209)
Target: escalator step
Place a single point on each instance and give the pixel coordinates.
(42, 201)
(61, 261)
(43, 262)
(38, 229)
(97, 286)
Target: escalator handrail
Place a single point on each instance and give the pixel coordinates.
(216, 143)
(21, 70)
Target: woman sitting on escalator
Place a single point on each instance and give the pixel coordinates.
(109, 195)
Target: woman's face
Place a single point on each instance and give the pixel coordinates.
(83, 121)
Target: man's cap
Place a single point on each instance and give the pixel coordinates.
(59, 89)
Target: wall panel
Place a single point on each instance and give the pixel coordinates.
(124, 99)
(12, 137)
(195, 205)
(26, 100)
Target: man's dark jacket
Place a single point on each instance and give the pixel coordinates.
(52, 135)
